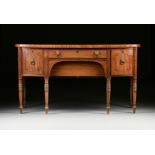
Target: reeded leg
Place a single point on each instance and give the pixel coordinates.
(134, 94)
(131, 89)
(46, 89)
(20, 89)
(108, 91)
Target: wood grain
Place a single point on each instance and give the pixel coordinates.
(77, 53)
(92, 46)
(89, 60)
(32, 61)
(122, 62)
(77, 69)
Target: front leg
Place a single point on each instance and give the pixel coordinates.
(46, 89)
(24, 92)
(20, 90)
(134, 91)
(131, 90)
(108, 92)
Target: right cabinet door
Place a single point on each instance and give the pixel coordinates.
(122, 62)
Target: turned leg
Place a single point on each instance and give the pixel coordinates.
(20, 89)
(46, 89)
(131, 94)
(24, 93)
(134, 91)
(108, 91)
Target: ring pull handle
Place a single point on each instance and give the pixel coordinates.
(122, 61)
(96, 53)
(32, 62)
(58, 53)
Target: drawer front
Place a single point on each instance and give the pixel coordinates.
(32, 61)
(77, 53)
(122, 62)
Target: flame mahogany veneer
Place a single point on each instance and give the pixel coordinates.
(77, 60)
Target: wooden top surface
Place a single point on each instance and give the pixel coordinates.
(77, 45)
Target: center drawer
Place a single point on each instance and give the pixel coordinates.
(77, 53)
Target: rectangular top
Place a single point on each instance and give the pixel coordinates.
(77, 45)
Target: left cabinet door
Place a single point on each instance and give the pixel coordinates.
(32, 62)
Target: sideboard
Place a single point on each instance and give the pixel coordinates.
(93, 60)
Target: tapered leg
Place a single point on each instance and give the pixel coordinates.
(46, 89)
(108, 91)
(20, 89)
(131, 90)
(134, 94)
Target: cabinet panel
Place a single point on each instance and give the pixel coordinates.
(32, 61)
(122, 62)
(78, 68)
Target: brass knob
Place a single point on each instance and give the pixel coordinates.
(122, 61)
(96, 53)
(57, 53)
(32, 62)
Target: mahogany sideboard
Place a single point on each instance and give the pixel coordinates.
(101, 60)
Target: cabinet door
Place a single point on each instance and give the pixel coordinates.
(122, 62)
(32, 61)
